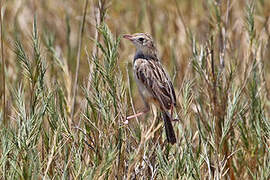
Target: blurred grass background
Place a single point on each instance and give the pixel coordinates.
(67, 88)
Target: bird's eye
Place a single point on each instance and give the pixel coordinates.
(141, 39)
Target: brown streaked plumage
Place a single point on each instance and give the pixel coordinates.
(153, 82)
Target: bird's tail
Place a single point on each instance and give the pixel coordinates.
(169, 128)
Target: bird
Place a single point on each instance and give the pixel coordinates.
(153, 82)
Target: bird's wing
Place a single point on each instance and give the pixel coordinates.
(155, 79)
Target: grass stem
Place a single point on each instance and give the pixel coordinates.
(78, 63)
(3, 66)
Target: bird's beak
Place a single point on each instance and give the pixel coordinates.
(129, 37)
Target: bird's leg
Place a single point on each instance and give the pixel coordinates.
(171, 111)
(146, 110)
(172, 114)
(138, 114)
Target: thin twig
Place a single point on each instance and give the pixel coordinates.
(78, 62)
(96, 12)
(181, 17)
(129, 92)
(3, 67)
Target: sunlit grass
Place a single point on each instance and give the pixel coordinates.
(216, 52)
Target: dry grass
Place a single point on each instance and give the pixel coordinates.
(68, 88)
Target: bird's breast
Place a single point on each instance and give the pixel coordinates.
(145, 92)
(142, 88)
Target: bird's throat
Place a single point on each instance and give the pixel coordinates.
(148, 56)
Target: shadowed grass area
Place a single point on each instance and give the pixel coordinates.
(53, 126)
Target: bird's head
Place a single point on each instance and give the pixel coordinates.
(143, 42)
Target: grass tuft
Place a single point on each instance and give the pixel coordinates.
(68, 89)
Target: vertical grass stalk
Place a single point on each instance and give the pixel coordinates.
(3, 67)
(78, 63)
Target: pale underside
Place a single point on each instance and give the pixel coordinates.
(154, 84)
